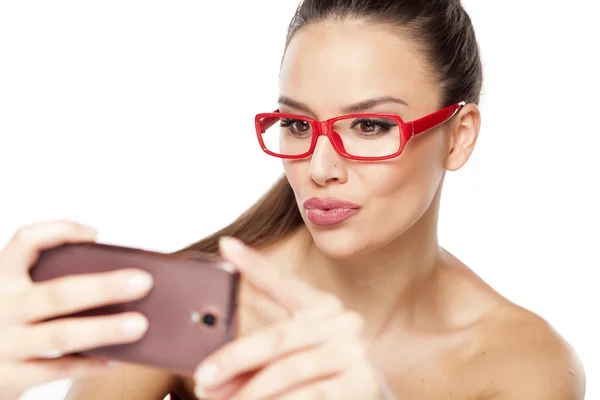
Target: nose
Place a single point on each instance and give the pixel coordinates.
(326, 165)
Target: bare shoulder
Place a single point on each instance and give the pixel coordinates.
(132, 382)
(512, 353)
(528, 358)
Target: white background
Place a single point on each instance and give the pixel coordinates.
(137, 117)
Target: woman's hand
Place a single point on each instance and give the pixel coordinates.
(317, 353)
(26, 342)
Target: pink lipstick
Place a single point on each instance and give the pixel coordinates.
(325, 212)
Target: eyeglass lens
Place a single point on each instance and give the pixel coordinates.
(368, 136)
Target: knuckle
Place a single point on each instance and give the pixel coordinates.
(95, 289)
(54, 296)
(357, 352)
(349, 351)
(332, 302)
(73, 292)
(10, 337)
(27, 306)
(108, 286)
(353, 322)
(48, 299)
(302, 367)
(91, 285)
(77, 334)
(57, 340)
(24, 234)
(279, 338)
(66, 227)
(11, 305)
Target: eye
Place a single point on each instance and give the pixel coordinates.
(368, 126)
(296, 127)
(371, 127)
(302, 126)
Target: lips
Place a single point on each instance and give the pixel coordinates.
(315, 203)
(326, 212)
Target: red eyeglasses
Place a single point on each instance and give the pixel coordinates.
(361, 137)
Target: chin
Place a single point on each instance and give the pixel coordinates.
(338, 243)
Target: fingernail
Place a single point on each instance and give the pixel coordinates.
(89, 229)
(112, 364)
(207, 375)
(134, 326)
(51, 354)
(140, 282)
(200, 392)
(231, 243)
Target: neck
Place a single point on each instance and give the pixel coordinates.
(389, 286)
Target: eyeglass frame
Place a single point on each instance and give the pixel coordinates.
(408, 130)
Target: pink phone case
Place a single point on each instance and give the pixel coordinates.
(191, 307)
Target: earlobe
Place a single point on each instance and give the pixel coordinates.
(464, 131)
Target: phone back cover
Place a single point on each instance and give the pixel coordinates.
(185, 286)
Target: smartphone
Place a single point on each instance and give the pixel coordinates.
(191, 308)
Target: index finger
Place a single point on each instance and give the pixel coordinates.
(24, 248)
(289, 291)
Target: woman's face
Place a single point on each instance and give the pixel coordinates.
(329, 67)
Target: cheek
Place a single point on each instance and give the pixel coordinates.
(394, 193)
(295, 170)
(297, 174)
(399, 192)
(406, 179)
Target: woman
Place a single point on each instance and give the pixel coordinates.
(347, 294)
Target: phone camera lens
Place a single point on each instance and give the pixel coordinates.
(209, 320)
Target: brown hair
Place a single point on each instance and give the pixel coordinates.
(274, 215)
(445, 35)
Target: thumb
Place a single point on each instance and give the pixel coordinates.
(280, 285)
(239, 254)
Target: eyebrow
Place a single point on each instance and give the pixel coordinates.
(353, 108)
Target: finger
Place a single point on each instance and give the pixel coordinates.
(23, 250)
(327, 389)
(37, 372)
(226, 391)
(322, 362)
(259, 307)
(70, 335)
(286, 289)
(263, 347)
(72, 294)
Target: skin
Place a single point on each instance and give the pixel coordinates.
(372, 308)
(21, 363)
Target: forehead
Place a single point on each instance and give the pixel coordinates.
(331, 65)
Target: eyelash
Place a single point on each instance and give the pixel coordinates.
(286, 123)
(384, 127)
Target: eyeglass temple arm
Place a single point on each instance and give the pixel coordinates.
(418, 126)
(437, 118)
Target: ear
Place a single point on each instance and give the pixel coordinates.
(463, 136)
